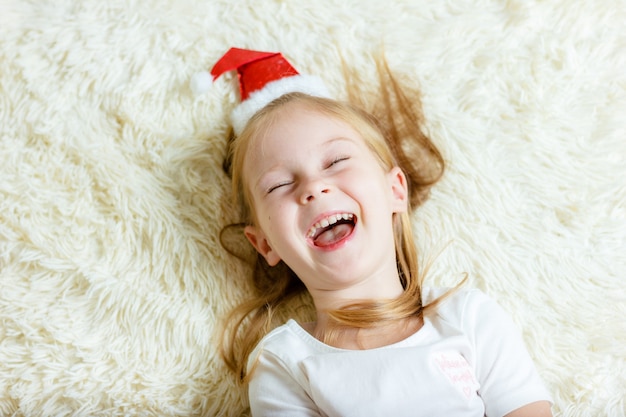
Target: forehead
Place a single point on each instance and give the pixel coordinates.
(296, 130)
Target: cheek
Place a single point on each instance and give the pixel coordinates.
(365, 181)
(269, 216)
(373, 191)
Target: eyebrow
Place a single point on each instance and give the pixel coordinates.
(338, 139)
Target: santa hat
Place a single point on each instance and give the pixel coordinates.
(263, 77)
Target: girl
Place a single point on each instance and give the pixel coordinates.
(327, 190)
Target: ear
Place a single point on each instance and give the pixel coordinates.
(399, 190)
(257, 238)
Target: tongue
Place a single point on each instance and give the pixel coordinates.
(333, 235)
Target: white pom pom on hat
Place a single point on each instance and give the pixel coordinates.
(200, 82)
(263, 77)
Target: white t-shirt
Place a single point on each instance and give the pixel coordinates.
(468, 359)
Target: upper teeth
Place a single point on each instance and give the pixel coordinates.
(332, 219)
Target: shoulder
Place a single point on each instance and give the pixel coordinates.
(288, 344)
(278, 385)
(506, 373)
(469, 310)
(457, 302)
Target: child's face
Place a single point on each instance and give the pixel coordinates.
(323, 202)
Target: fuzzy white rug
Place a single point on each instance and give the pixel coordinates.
(112, 279)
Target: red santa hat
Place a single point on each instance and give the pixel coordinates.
(263, 77)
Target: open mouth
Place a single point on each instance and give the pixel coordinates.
(332, 229)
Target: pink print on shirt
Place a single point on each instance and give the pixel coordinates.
(458, 371)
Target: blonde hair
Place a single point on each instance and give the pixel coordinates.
(394, 134)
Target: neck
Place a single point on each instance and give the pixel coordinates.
(366, 338)
(364, 333)
(371, 290)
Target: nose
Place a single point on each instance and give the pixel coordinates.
(312, 189)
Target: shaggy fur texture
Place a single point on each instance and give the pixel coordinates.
(112, 280)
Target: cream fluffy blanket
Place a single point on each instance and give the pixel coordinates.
(112, 193)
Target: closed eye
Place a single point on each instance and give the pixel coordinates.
(276, 186)
(337, 160)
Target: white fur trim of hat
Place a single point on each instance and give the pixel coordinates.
(307, 84)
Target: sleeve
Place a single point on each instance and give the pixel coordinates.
(275, 391)
(506, 373)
